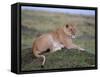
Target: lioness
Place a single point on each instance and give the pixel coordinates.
(53, 41)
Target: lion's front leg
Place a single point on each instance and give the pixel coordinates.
(73, 46)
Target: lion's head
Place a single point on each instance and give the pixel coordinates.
(70, 30)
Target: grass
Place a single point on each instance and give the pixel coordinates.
(60, 59)
(39, 22)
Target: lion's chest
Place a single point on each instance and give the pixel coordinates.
(55, 45)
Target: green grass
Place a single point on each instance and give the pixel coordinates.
(88, 44)
(34, 23)
(60, 59)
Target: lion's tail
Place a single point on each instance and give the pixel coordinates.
(35, 53)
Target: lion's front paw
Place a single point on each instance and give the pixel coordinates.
(82, 49)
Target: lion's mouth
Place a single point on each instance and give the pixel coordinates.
(73, 36)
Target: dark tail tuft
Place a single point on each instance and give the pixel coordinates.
(42, 66)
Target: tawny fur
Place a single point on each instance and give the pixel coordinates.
(61, 36)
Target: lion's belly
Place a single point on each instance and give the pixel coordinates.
(45, 42)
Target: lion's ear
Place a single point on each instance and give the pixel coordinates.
(67, 25)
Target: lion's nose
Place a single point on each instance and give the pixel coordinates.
(73, 33)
